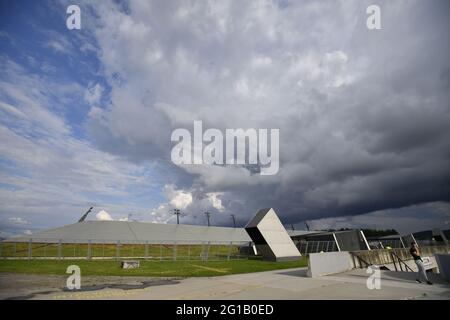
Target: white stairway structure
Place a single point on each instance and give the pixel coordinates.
(270, 237)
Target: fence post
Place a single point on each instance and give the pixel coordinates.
(207, 251)
(14, 249)
(393, 260)
(229, 250)
(1, 247)
(189, 252)
(306, 250)
(160, 252)
(30, 253)
(59, 249)
(202, 254)
(146, 250)
(89, 248)
(118, 250)
(175, 251)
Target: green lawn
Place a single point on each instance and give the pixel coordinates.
(147, 268)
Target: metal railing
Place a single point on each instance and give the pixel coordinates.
(392, 243)
(306, 247)
(401, 263)
(397, 244)
(398, 258)
(384, 244)
(430, 243)
(110, 250)
(362, 263)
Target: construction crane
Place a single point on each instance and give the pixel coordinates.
(85, 215)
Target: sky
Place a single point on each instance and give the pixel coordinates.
(86, 115)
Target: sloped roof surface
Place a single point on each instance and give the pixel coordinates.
(125, 231)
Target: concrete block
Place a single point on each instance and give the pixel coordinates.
(321, 264)
(130, 264)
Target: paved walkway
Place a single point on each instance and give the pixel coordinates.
(279, 284)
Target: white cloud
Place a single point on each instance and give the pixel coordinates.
(338, 93)
(46, 170)
(178, 198)
(93, 94)
(162, 214)
(12, 110)
(57, 46)
(58, 42)
(31, 99)
(214, 198)
(103, 216)
(17, 220)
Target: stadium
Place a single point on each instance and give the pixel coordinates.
(263, 254)
(145, 240)
(118, 239)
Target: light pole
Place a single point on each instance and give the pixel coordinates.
(234, 220)
(207, 216)
(177, 212)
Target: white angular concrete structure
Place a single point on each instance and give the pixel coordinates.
(270, 237)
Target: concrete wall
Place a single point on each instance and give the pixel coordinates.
(443, 262)
(321, 264)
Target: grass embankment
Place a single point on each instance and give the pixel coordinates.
(147, 268)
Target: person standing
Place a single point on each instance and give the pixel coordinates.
(415, 252)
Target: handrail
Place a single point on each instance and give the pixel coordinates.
(354, 255)
(393, 255)
(400, 260)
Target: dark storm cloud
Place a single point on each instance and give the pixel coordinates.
(363, 115)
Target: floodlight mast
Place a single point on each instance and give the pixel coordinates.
(234, 220)
(307, 226)
(177, 212)
(207, 216)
